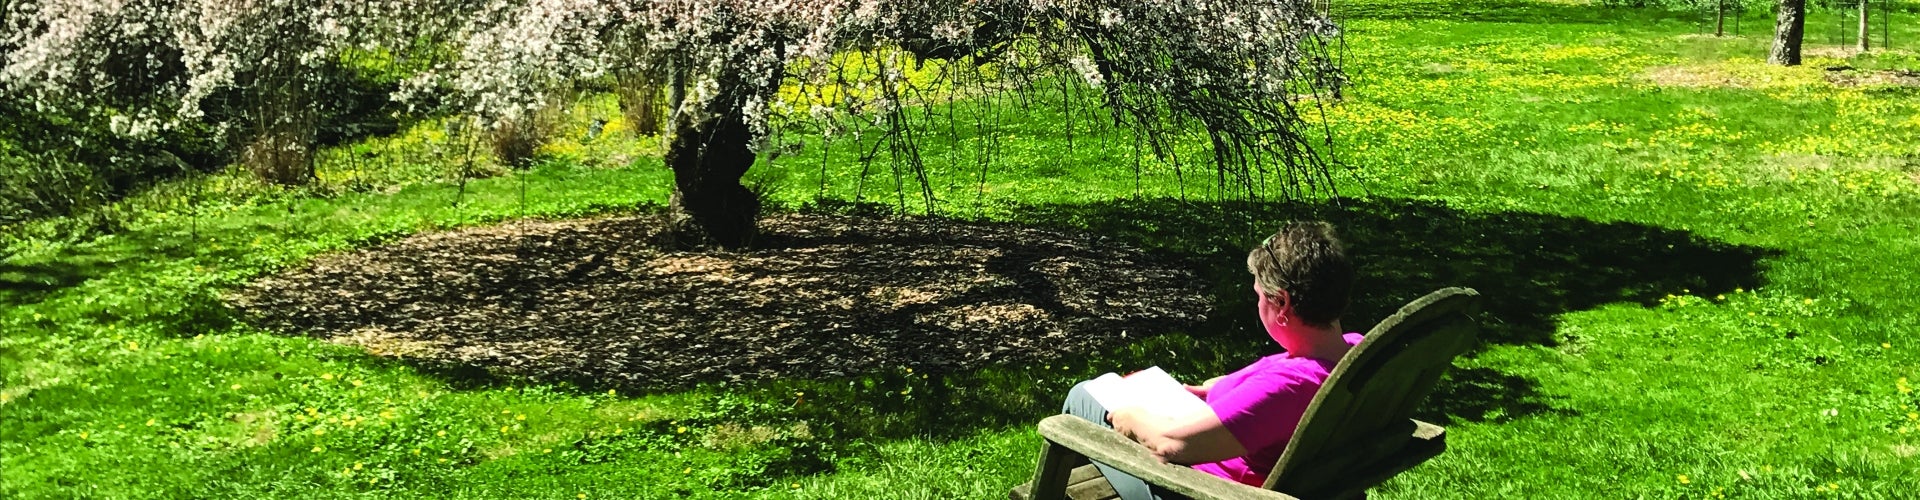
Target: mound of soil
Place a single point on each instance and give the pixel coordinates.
(597, 300)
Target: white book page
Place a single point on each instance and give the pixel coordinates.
(1152, 389)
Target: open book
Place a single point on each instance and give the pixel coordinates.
(1151, 388)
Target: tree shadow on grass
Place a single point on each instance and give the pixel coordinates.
(25, 280)
(1530, 267)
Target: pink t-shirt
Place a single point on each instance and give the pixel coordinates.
(1261, 404)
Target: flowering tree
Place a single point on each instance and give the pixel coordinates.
(1235, 68)
(251, 68)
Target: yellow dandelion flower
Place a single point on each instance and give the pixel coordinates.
(441, 434)
(358, 383)
(582, 496)
(546, 450)
(506, 412)
(1886, 345)
(503, 428)
(83, 435)
(1832, 486)
(1683, 479)
(443, 460)
(319, 431)
(328, 376)
(519, 417)
(388, 414)
(796, 486)
(317, 449)
(150, 422)
(358, 465)
(1808, 302)
(234, 387)
(133, 346)
(688, 471)
(682, 430)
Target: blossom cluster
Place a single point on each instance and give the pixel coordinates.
(181, 53)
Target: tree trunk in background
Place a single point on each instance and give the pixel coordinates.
(1863, 25)
(1720, 18)
(710, 150)
(1789, 27)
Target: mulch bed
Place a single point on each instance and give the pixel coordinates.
(597, 300)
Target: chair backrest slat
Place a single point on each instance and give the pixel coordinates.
(1363, 412)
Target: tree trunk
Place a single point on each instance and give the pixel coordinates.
(1720, 18)
(710, 150)
(1863, 25)
(1790, 26)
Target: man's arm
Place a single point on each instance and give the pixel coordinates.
(1194, 439)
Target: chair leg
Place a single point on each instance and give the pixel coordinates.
(1050, 474)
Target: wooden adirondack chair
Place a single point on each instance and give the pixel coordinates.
(1357, 432)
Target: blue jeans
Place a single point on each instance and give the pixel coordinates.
(1081, 404)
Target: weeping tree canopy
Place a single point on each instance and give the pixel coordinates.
(1236, 69)
(734, 70)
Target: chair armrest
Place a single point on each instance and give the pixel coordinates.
(1111, 448)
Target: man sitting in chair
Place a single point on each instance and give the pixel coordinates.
(1303, 280)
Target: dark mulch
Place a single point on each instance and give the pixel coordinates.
(596, 301)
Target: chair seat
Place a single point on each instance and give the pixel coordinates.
(1426, 442)
(1084, 483)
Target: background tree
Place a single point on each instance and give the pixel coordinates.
(1864, 26)
(1233, 70)
(1790, 25)
(257, 73)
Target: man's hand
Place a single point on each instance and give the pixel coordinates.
(1204, 388)
(1129, 422)
(1196, 439)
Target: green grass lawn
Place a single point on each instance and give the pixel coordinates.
(1700, 273)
